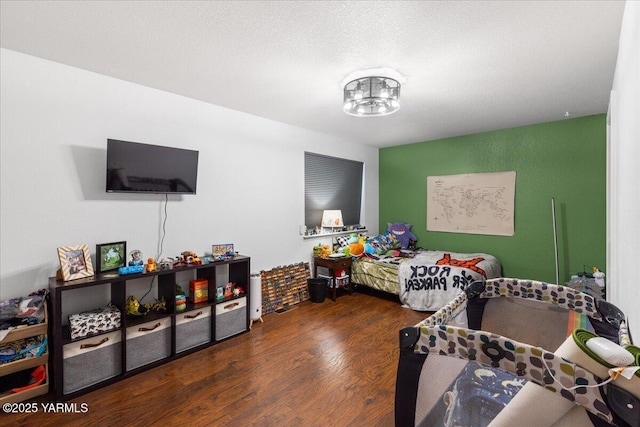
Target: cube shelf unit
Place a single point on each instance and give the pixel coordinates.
(27, 363)
(141, 343)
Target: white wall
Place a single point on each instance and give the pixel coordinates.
(623, 174)
(55, 121)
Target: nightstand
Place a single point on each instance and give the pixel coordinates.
(334, 265)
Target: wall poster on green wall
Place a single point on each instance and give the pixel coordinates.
(474, 203)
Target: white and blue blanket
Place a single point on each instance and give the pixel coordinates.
(433, 278)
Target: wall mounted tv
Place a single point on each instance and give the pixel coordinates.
(133, 167)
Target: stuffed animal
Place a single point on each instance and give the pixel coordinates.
(323, 251)
(402, 232)
(165, 264)
(151, 265)
(356, 249)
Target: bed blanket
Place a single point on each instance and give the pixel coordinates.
(433, 278)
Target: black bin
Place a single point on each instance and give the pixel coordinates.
(317, 289)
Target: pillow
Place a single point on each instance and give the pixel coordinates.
(381, 243)
(343, 241)
(402, 232)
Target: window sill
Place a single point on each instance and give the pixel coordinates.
(331, 234)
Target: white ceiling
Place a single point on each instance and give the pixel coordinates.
(466, 67)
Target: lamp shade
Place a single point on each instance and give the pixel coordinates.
(332, 218)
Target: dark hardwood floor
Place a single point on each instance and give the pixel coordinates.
(320, 364)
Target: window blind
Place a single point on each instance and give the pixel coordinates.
(332, 183)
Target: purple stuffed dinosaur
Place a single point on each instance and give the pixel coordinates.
(402, 232)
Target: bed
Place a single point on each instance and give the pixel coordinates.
(424, 280)
(511, 352)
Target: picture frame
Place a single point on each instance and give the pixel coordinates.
(219, 251)
(110, 256)
(229, 250)
(75, 262)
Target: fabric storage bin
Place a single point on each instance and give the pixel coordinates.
(148, 342)
(231, 318)
(91, 360)
(193, 328)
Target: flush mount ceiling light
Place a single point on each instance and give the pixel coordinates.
(371, 96)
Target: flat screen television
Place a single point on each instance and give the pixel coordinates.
(133, 167)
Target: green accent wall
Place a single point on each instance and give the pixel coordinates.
(564, 160)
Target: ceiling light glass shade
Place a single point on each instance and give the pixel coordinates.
(371, 96)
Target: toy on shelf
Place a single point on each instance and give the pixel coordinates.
(134, 308)
(181, 299)
(151, 265)
(130, 269)
(165, 264)
(157, 305)
(228, 289)
(136, 257)
(190, 257)
(181, 303)
(187, 258)
(198, 290)
(179, 290)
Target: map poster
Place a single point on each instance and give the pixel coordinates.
(474, 203)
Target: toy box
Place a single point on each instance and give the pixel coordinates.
(95, 321)
(199, 290)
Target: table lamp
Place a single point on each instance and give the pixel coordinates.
(332, 219)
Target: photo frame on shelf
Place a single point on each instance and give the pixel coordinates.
(220, 251)
(110, 256)
(229, 250)
(75, 262)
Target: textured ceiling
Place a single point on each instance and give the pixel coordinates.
(466, 67)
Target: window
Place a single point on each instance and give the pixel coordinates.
(332, 183)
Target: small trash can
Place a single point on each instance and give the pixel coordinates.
(317, 289)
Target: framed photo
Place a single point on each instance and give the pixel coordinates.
(229, 250)
(222, 251)
(110, 256)
(75, 262)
